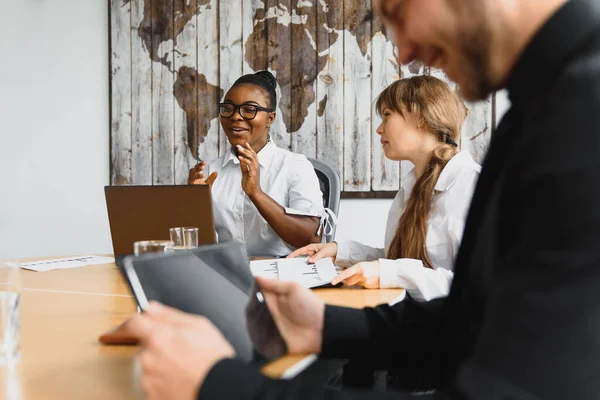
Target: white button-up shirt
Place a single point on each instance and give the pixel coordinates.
(286, 177)
(452, 197)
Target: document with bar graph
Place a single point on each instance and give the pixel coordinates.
(295, 270)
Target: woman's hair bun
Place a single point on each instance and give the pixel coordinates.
(264, 80)
(268, 77)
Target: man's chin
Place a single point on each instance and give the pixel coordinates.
(475, 91)
(471, 87)
(473, 75)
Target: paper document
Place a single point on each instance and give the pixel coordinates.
(295, 270)
(71, 262)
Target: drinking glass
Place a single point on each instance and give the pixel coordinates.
(184, 237)
(10, 323)
(152, 246)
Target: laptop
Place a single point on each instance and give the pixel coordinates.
(138, 213)
(214, 281)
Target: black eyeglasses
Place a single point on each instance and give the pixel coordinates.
(247, 111)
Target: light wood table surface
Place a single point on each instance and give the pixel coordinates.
(64, 311)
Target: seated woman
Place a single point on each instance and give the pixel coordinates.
(422, 120)
(265, 196)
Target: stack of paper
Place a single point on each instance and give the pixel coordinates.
(72, 262)
(295, 270)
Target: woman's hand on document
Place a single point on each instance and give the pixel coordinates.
(298, 314)
(197, 177)
(316, 251)
(365, 274)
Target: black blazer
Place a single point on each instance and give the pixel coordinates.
(522, 320)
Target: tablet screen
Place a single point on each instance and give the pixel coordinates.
(213, 281)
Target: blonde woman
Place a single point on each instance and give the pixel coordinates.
(421, 122)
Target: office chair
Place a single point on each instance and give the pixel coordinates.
(330, 183)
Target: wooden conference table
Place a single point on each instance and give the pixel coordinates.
(64, 311)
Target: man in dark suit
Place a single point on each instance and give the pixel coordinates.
(522, 320)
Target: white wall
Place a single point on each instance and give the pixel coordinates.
(363, 220)
(54, 157)
(54, 154)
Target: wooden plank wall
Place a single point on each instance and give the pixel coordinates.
(209, 94)
(357, 96)
(173, 60)
(141, 101)
(120, 71)
(163, 118)
(330, 87)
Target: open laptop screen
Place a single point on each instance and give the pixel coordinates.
(138, 213)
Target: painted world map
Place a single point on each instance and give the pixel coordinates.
(164, 20)
(173, 60)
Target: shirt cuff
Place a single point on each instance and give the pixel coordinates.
(313, 212)
(389, 278)
(217, 384)
(343, 330)
(343, 254)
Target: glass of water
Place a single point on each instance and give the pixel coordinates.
(184, 237)
(152, 246)
(10, 323)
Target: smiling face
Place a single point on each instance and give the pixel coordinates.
(452, 35)
(240, 131)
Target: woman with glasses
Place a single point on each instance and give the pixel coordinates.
(265, 196)
(421, 123)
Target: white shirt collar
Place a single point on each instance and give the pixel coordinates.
(288, 178)
(447, 177)
(452, 169)
(265, 155)
(230, 156)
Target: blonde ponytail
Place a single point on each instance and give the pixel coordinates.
(430, 101)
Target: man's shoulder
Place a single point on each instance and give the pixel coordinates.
(559, 132)
(584, 67)
(573, 100)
